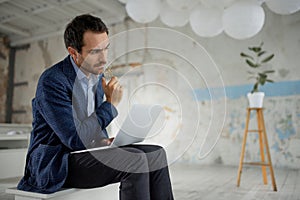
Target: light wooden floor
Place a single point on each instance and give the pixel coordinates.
(218, 183)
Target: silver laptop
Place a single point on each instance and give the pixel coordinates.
(135, 127)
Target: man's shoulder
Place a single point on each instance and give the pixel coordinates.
(57, 77)
(56, 71)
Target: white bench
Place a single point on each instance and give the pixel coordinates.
(109, 192)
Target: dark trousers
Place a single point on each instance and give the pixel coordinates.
(142, 171)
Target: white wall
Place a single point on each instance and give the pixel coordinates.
(189, 121)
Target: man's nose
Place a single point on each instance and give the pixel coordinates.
(102, 57)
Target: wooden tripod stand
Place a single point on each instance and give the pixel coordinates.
(263, 144)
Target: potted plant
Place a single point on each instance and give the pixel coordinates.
(257, 59)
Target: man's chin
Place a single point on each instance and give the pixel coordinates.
(99, 70)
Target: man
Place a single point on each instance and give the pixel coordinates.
(69, 114)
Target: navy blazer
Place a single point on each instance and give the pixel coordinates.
(59, 127)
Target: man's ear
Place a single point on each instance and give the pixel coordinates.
(73, 52)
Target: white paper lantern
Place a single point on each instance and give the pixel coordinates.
(182, 5)
(172, 17)
(143, 11)
(283, 7)
(218, 3)
(206, 22)
(243, 19)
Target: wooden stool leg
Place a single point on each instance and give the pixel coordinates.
(268, 152)
(243, 149)
(261, 144)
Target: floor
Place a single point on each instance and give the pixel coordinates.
(218, 183)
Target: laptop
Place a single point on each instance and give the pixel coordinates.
(135, 127)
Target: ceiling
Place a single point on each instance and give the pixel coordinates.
(24, 21)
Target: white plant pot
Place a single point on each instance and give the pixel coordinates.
(256, 99)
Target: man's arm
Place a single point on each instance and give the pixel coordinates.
(54, 99)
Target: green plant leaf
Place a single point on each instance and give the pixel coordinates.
(255, 87)
(251, 64)
(262, 81)
(262, 78)
(262, 75)
(246, 55)
(269, 71)
(255, 49)
(267, 58)
(255, 60)
(261, 53)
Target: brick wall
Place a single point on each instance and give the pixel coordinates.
(4, 57)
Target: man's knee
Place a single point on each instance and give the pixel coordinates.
(156, 155)
(138, 162)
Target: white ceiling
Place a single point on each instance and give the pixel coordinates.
(24, 21)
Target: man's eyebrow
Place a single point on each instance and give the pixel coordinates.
(97, 49)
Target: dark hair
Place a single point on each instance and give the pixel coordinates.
(73, 35)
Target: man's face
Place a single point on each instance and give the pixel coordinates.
(93, 56)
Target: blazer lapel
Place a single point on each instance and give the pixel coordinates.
(99, 92)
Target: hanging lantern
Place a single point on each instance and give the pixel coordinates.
(182, 5)
(283, 7)
(206, 22)
(172, 17)
(217, 3)
(243, 19)
(143, 11)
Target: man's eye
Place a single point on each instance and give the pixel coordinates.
(98, 50)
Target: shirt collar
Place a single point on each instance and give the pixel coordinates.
(93, 79)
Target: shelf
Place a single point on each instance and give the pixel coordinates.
(6, 125)
(14, 140)
(4, 137)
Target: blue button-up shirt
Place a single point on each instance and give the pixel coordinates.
(88, 85)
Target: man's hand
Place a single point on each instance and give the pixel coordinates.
(113, 90)
(106, 141)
